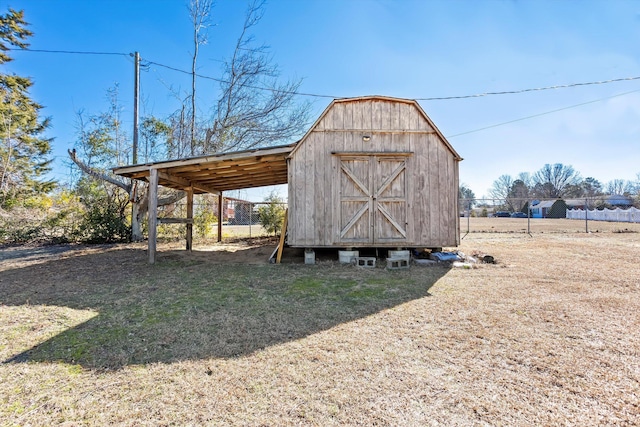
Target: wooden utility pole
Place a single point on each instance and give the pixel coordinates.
(136, 102)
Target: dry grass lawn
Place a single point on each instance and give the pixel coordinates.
(548, 336)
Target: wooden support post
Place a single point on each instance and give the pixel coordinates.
(220, 216)
(189, 217)
(153, 214)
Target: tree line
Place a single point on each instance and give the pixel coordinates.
(552, 181)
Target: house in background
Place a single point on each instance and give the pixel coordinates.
(549, 209)
(618, 200)
(612, 200)
(578, 203)
(541, 209)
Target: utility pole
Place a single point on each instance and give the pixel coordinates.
(134, 158)
(136, 102)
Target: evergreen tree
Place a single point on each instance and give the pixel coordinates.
(23, 149)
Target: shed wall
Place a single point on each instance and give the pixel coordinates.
(431, 176)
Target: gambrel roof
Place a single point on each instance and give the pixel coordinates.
(249, 168)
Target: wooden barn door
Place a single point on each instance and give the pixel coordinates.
(355, 210)
(390, 200)
(373, 200)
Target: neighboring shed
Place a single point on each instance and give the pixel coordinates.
(558, 209)
(373, 172)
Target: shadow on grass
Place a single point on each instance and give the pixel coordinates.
(186, 308)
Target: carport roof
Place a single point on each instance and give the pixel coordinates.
(218, 172)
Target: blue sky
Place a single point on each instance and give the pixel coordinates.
(403, 48)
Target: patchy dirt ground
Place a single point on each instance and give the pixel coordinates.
(550, 335)
(240, 250)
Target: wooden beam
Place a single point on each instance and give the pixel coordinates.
(186, 183)
(234, 156)
(374, 153)
(153, 214)
(175, 221)
(374, 131)
(220, 215)
(173, 179)
(189, 242)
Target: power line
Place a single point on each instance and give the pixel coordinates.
(510, 92)
(289, 92)
(478, 95)
(74, 52)
(545, 113)
(315, 95)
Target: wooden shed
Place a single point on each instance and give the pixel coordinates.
(373, 172)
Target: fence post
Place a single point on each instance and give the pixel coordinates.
(529, 218)
(586, 215)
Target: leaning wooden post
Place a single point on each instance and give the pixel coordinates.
(283, 233)
(220, 217)
(153, 214)
(189, 218)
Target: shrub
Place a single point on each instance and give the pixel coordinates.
(203, 220)
(272, 213)
(104, 222)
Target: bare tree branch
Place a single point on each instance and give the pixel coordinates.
(245, 117)
(96, 173)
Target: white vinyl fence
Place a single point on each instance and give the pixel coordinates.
(615, 215)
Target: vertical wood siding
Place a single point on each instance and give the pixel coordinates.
(417, 207)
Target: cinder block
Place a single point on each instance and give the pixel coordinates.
(366, 261)
(397, 263)
(309, 256)
(348, 257)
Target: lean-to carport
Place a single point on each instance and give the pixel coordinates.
(208, 174)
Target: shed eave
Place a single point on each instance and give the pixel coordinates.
(218, 172)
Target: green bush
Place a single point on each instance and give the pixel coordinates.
(104, 221)
(203, 221)
(271, 215)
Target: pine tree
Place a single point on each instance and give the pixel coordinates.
(23, 149)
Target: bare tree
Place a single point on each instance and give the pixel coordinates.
(199, 12)
(501, 188)
(255, 108)
(620, 187)
(553, 181)
(526, 179)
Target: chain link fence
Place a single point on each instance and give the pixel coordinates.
(530, 216)
(240, 218)
(245, 219)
